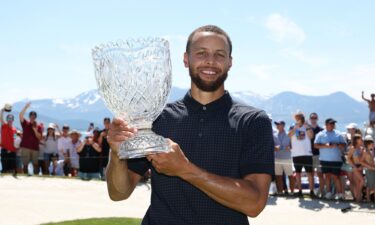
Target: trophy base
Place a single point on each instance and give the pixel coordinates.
(146, 142)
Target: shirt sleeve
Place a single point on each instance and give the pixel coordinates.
(342, 140)
(318, 139)
(258, 150)
(139, 165)
(24, 123)
(275, 140)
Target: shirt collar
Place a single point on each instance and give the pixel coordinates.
(224, 102)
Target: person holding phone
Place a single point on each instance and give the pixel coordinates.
(89, 158)
(301, 134)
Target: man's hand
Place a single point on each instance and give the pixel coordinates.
(27, 105)
(172, 163)
(118, 132)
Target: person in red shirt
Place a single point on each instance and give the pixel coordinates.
(32, 134)
(8, 151)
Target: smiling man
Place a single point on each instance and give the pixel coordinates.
(221, 159)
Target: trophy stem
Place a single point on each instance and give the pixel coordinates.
(144, 143)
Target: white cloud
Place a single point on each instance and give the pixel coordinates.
(262, 71)
(303, 57)
(284, 30)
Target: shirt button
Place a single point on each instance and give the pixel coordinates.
(200, 134)
(204, 107)
(201, 120)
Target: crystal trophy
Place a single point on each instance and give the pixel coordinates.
(134, 78)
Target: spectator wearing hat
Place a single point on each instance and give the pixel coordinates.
(371, 105)
(72, 158)
(331, 145)
(49, 146)
(63, 143)
(316, 163)
(368, 162)
(8, 151)
(370, 130)
(89, 158)
(283, 158)
(32, 134)
(301, 134)
(351, 130)
(354, 159)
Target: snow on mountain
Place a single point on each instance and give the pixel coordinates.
(89, 107)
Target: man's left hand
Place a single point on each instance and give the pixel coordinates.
(172, 163)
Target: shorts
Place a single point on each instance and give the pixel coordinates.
(316, 163)
(49, 156)
(347, 168)
(28, 155)
(303, 161)
(283, 165)
(331, 167)
(370, 179)
(19, 162)
(372, 116)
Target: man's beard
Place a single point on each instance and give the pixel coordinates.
(207, 86)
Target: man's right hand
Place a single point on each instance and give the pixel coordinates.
(27, 105)
(118, 132)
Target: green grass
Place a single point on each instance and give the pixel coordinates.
(100, 221)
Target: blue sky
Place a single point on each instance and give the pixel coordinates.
(315, 48)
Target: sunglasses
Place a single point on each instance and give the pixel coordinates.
(313, 118)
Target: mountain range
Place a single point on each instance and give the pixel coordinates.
(88, 107)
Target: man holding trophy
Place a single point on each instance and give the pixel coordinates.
(216, 165)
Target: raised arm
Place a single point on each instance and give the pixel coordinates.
(80, 147)
(22, 113)
(292, 131)
(97, 147)
(2, 116)
(363, 97)
(121, 181)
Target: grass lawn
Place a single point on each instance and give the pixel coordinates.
(100, 221)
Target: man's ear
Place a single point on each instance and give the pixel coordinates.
(230, 63)
(186, 60)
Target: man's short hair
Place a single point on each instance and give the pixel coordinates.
(33, 113)
(107, 119)
(209, 28)
(313, 114)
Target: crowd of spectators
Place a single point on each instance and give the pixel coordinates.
(52, 151)
(332, 162)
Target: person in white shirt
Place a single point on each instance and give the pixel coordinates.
(63, 142)
(301, 135)
(73, 157)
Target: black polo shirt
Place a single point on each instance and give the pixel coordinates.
(223, 137)
(315, 130)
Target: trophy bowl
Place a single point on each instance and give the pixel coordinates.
(134, 78)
